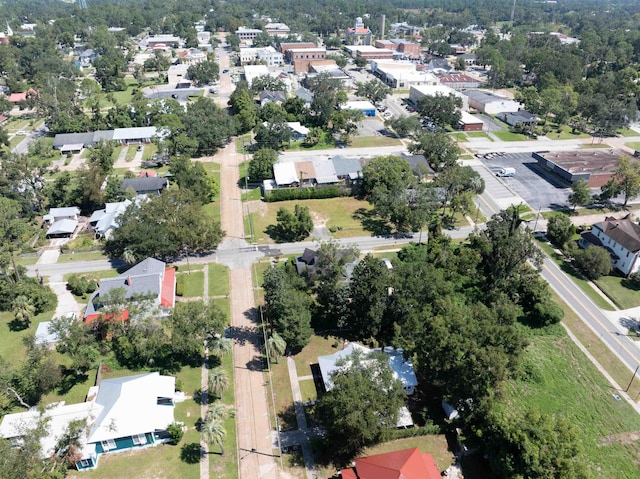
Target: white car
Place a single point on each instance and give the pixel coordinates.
(21, 133)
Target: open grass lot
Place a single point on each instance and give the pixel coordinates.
(372, 141)
(627, 132)
(506, 135)
(565, 383)
(192, 284)
(150, 149)
(478, 134)
(27, 260)
(107, 273)
(565, 133)
(587, 146)
(11, 346)
(130, 154)
(458, 136)
(218, 280)
(337, 212)
(81, 256)
(615, 289)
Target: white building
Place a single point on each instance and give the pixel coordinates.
(177, 73)
(247, 34)
(254, 71)
(269, 55)
(418, 91)
(277, 29)
(621, 237)
(490, 103)
(401, 74)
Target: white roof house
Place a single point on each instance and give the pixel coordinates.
(142, 133)
(298, 130)
(402, 370)
(121, 413)
(104, 221)
(285, 174)
(55, 214)
(62, 228)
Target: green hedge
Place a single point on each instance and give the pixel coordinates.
(286, 194)
(179, 285)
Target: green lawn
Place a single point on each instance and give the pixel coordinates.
(149, 151)
(506, 135)
(565, 383)
(218, 280)
(478, 134)
(308, 390)
(81, 256)
(588, 146)
(11, 346)
(458, 136)
(634, 145)
(627, 132)
(26, 260)
(373, 141)
(107, 273)
(340, 214)
(565, 134)
(240, 141)
(615, 289)
(131, 153)
(192, 284)
(434, 444)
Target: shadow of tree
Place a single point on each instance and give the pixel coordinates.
(69, 379)
(288, 420)
(191, 453)
(17, 326)
(372, 222)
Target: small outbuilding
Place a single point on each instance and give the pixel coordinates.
(366, 107)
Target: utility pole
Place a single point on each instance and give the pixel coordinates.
(632, 378)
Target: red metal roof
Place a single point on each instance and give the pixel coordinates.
(404, 464)
(121, 316)
(168, 294)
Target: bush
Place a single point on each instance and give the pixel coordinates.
(560, 229)
(175, 433)
(286, 194)
(81, 285)
(179, 285)
(593, 261)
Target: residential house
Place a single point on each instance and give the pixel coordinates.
(70, 141)
(404, 464)
(104, 221)
(490, 103)
(358, 34)
(63, 221)
(621, 237)
(307, 262)
(299, 132)
(277, 29)
(306, 96)
(401, 369)
(348, 170)
(325, 173)
(86, 58)
(150, 280)
(121, 414)
(272, 97)
(16, 98)
(285, 175)
(520, 117)
(145, 186)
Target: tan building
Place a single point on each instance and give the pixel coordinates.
(403, 48)
(298, 45)
(306, 54)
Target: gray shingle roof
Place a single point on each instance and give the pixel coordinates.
(140, 185)
(623, 231)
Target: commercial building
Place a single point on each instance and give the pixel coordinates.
(277, 29)
(490, 103)
(269, 55)
(596, 166)
(403, 48)
(459, 81)
(295, 54)
(366, 107)
(358, 34)
(468, 122)
(162, 41)
(247, 34)
(298, 45)
(401, 74)
(177, 74)
(368, 52)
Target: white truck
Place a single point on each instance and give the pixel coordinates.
(505, 172)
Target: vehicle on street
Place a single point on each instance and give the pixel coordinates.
(506, 172)
(21, 133)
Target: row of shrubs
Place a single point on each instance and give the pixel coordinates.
(286, 194)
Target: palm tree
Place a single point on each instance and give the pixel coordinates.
(213, 432)
(218, 381)
(128, 256)
(220, 347)
(23, 310)
(217, 412)
(276, 346)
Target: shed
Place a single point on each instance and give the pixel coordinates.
(366, 107)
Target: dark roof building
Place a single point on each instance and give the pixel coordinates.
(621, 237)
(596, 166)
(146, 185)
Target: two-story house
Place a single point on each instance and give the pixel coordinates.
(621, 237)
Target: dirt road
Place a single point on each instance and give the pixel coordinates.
(252, 411)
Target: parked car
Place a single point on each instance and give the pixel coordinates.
(506, 172)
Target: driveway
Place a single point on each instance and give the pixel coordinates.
(490, 124)
(179, 95)
(370, 127)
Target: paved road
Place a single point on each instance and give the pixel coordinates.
(623, 347)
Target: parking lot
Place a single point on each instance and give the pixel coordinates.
(370, 127)
(537, 190)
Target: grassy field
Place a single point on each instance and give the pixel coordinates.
(81, 256)
(615, 289)
(192, 284)
(218, 280)
(11, 346)
(130, 154)
(506, 135)
(587, 146)
(634, 145)
(478, 134)
(27, 260)
(627, 132)
(373, 141)
(339, 213)
(565, 383)
(565, 134)
(436, 445)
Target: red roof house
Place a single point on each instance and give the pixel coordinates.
(18, 97)
(405, 464)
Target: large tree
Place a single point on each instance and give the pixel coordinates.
(362, 404)
(261, 164)
(327, 96)
(204, 73)
(291, 226)
(443, 110)
(210, 125)
(374, 90)
(580, 194)
(167, 225)
(625, 181)
(440, 150)
(192, 324)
